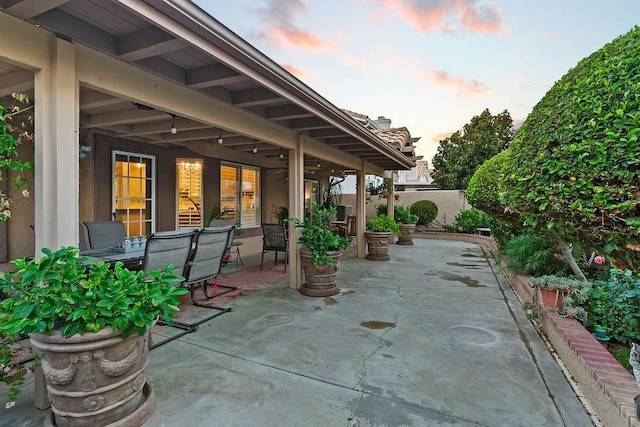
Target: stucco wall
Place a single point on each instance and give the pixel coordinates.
(450, 203)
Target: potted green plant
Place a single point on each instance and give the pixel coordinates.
(89, 323)
(552, 290)
(407, 222)
(380, 231)
(320, 251)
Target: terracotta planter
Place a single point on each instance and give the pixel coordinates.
(551, 298)
(319, 280)
(377, 245)
(96, 379)
(406, 234)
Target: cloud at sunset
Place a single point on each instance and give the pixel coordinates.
(282, 30)
(448, 15)
(465, 87)
(296, 71)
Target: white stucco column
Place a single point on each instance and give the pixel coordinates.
(56, 150)
(296, 210)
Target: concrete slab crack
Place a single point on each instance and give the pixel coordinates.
(362, 372)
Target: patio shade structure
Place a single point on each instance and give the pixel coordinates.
(164, 72)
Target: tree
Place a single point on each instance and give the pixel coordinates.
(575, 173)
(459, 155)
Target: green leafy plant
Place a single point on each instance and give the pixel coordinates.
(66, 292)
(575, 170)
(426, 210)
(383, 223)
(403, 215)
(281, 213)
(532, 255)
(215, 212)
(316, 234)
(614, 305)
(469, 220)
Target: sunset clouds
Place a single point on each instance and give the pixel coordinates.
(448, 15)
(282, 30)
(465, 87)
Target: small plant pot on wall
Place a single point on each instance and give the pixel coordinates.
(551, 299)
(96, 379)
(319, 279)
(406, 234)
(377, 245)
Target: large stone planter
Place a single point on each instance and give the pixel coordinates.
(377, 245)
(319, 280)
(96, 379)
(406, 234)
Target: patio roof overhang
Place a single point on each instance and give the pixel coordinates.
(201, 72)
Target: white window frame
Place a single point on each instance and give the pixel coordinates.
(240, 168)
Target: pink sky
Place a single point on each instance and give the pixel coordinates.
(429, 65)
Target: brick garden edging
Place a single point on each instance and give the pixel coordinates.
(606, 384)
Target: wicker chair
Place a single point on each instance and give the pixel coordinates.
(274, 238)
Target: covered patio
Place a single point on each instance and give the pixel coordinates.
(155, 83)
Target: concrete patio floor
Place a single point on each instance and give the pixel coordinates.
(433, 337)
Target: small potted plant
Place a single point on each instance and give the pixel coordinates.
(552, 290)
(320, 251)
(89, 323)
(407, 222)
(380, 231)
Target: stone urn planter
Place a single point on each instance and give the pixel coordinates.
(377, 245)
(406, 234)
(319, 279)
(95, 379)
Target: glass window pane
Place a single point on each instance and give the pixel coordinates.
(189, 188)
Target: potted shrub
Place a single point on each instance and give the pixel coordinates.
(89, 323)
(552, 290)
(407, 222)
(320, 252)
(380, 230)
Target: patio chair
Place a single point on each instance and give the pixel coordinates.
(105, 234)
(172, 247)
(274, 238)
(82, 242)
(211, 244)
(231, 244)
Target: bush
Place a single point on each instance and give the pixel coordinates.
(575, 173)
(614, 305)
(469, 220)
(401, 214)
(533, 255)
(426, 211)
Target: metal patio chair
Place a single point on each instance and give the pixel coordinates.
(211, 245)
(274, 238)
(105, 234)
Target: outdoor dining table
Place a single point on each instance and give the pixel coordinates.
(132, 260)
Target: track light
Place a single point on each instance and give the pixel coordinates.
(174, 129)
(255, 149)
(281, 155)
(220, 137)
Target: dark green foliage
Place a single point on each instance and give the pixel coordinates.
(401, 214)
(316, 234)
(383, 223)
(614, 305)
(469, 220)
(483, 191)
(459, 155)
(575, 169)
(533, 255)
(426, 210)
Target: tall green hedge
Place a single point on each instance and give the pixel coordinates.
(575, 168)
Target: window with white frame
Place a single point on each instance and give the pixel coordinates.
(133, 181)
(240, 194)
(189, 189)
